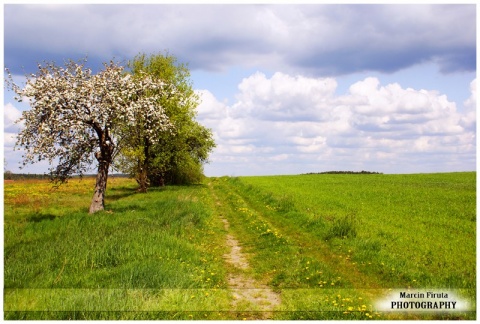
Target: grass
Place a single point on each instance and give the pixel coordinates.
(410, 230)
(328, 244)
(146, 256)
(289, 264)
(356, 233)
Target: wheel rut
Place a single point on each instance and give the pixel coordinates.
(249, 295)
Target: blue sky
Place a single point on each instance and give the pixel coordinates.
(286, 89)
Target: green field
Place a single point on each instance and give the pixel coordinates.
(327, 245)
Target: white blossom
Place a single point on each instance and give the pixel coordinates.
(75, 113)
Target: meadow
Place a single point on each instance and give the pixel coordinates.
(146, 256)
(327, 244)
(418, 230)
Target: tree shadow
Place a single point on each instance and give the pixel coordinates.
(118, 193)
(177, 187)
(36, 218)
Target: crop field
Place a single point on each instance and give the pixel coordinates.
(324, 246)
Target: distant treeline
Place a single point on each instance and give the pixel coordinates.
(345, 172)
(25, 176)
(22, 176)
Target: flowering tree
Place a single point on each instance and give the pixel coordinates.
(74, 116)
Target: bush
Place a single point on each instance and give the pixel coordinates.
(184, 174)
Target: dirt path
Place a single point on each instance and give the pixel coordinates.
(250, 296)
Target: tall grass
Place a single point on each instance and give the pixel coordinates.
(152, 256)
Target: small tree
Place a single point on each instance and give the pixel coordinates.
(180, 160)
(74, 116)
(153, 156)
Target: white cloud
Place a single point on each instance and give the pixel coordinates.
(295, 120)
(283, 97)
(10, 131)
(9, 139)
(296, 124)
(11, 115)
(469, 120)
(209, 108)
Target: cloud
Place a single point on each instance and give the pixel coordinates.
(469, 119)
(284, 97)
(10, 131)
(10, 116)
(394, 110)
(209, 107)
(297, 124)
(310, 39)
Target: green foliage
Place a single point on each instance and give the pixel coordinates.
(170, 157)
(185, 172)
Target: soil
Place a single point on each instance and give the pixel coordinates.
(247, 291)
(250, 296)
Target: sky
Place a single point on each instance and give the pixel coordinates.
(285, 89)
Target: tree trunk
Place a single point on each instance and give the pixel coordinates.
(161, 182)
(98, 200)
(144, 168)
(142, 180)
(104, 158)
